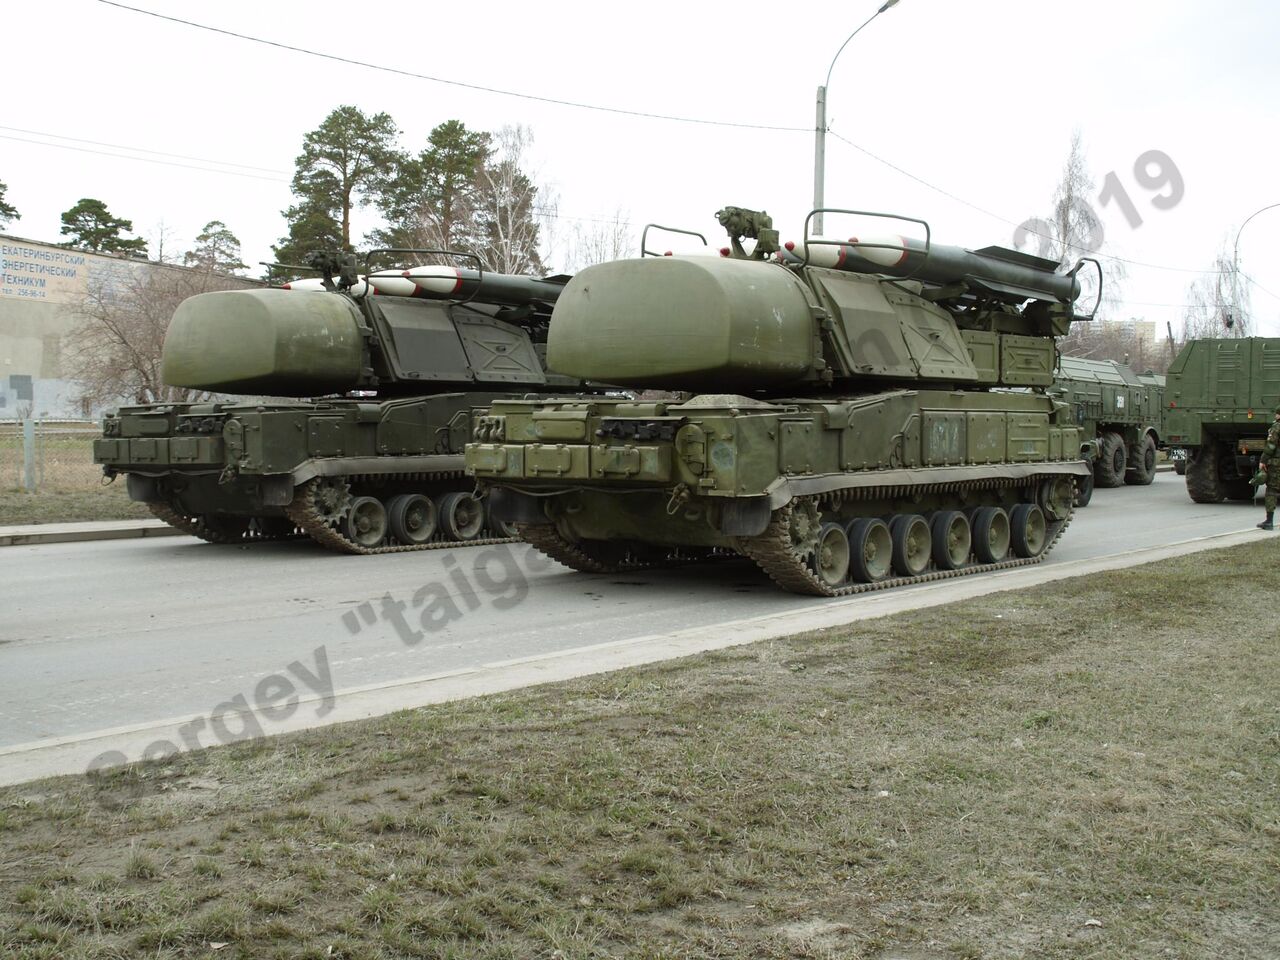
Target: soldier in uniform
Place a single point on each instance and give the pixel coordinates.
(1271, 467)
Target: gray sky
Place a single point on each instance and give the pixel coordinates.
(978, 99)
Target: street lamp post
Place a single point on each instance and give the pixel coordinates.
(820, 125)
(1235, 261)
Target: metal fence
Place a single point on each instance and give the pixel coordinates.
(48, 456)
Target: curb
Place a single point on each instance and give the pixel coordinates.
(75, 532)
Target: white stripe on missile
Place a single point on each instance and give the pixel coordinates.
(386, 286)
(892, 253)
(438, 280)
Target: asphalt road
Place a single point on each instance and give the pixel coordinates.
(116, 633)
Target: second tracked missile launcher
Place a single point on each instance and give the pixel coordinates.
(848, 414)
(370, 380)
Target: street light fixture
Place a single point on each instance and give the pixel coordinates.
(820, 128)
(1235, 262)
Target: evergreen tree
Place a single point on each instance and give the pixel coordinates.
(312, 229)
(7, 211)
(344, 162)
(91, 226)
(217, 250)
(431, 202)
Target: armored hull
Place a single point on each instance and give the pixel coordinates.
(915, 438)
(359, 476)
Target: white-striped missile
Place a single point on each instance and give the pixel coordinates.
(1005, 274)
(449, 283)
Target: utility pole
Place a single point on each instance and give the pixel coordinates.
(820, 124)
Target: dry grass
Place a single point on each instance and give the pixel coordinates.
(1090, 771)
(69, 483)
(69, 506)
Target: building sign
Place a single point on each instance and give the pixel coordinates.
(51, 274)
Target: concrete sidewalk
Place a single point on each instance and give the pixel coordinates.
(14, 536)
(96, 530)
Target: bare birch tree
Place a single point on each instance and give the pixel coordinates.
(505, 205)
(114, 352)
(1074, 230)
(1213, 309)
(598, 241)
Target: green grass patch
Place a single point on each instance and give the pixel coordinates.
(1086, 770)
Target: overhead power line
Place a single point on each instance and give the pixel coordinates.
(158, 153)
(1013, 223)
(124, 156)
(453, 83)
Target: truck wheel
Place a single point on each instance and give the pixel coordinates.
(1084, 490)
(1143, 470)
(1203, 483)
(1109, 470)
(1180, 466)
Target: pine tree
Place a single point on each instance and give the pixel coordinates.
(91, 226)
(217, 250)
(431, 202)
(344, 162)
(7, 211)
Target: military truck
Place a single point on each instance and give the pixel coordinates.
(1120, 413)
(397, 358)
(844, 429)
(1220, 396)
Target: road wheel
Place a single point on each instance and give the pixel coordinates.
(1204, 485)
(366, 522)
(412, 518)
(912, 544)
(1028, 531)
(1180, 465)
(1109, 470)
(990, 534)
(952, 539)
(831, 556)
(461, 516)
(1084, 490)
(1143, 469)
(870, 549)
(499, 528)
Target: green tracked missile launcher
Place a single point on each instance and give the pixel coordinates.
(851, 415)
(372, 379)
(1220, 396)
